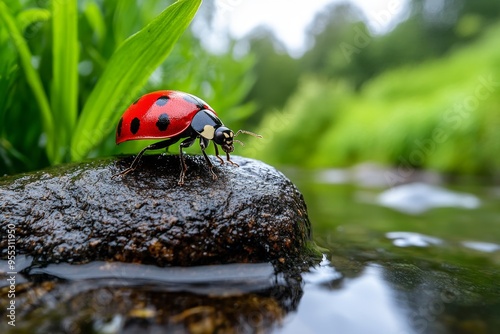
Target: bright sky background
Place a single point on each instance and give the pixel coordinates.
(288, 19)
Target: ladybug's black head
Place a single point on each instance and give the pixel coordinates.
(225, 138)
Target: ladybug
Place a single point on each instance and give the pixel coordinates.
(173, 115)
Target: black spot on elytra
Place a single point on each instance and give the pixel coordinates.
(134, 126)
(194, 100)
(119, 128)
(162, 101)
(163, 122)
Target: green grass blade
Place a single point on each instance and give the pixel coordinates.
(30, 16)
(128, 70)
(64, 89)
(95, 20)
(32, 76)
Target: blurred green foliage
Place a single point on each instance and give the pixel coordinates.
(69, 69)
(440, 114)
(424, 95)
(405, 97)
(343, 46)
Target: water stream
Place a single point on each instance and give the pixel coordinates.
(423, 257)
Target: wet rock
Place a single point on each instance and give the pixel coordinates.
(78, 213)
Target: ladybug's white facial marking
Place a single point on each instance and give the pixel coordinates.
(224, 137)
(227, 143)
(208, 132)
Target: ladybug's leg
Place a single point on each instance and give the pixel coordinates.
(203, 144)
(155, 146)
(184, 144)
(228, 158)
(217, 154)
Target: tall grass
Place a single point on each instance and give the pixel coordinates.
(70, 133)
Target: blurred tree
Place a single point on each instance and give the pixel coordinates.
(340, 38)
(277, 72)
(345, 48)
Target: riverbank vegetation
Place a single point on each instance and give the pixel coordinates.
(423, 93)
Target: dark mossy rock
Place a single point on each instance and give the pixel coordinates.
(78, 213)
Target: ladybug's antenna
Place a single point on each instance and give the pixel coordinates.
(248, 133)
(245, 132)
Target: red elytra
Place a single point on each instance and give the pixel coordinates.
(160, 114)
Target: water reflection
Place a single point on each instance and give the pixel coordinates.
(417, 198)
(361, 304)
(408, 239)
(129, 298)
(487, 247)
(401, 271)
(397, 295)
(441, 298)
